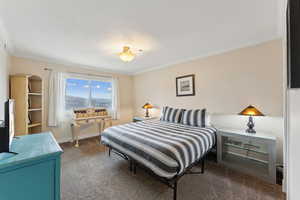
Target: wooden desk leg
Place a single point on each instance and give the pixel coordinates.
(100, 131)
(104, 124)
(76, 143)
(75, 136)
(100, 127)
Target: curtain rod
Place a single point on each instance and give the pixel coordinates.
(85, 74)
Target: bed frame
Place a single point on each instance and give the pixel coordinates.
(171, 183)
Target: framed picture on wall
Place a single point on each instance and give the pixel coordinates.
(185, 85)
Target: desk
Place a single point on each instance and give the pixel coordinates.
(81, 124)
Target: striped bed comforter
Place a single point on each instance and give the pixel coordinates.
(164, 147)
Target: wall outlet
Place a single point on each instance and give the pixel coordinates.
(3, 44)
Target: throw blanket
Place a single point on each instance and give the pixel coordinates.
(164, 147)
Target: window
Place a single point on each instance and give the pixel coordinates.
(83, 93)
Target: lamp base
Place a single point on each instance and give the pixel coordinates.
(147, 113)
(250, 130)
(250, 126)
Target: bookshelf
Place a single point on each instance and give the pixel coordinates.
(26, 90)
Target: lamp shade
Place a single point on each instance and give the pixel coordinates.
(251, 111)
(147, 106)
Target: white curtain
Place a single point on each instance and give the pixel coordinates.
(56, 99)
(115, 99)
(57, 114)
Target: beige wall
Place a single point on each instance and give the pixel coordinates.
(29, 66)
(225, 84)
(4, 70)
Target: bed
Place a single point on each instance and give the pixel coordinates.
(168, 150)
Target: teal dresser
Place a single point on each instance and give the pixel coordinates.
(34, 173)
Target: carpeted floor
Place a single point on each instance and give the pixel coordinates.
(89, 174)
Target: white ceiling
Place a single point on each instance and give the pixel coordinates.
(92, 32)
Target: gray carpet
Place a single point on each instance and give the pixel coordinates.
(89, 174)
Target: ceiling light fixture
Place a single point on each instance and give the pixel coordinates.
(127, 54)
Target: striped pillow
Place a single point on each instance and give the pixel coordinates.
(171, 114)
(194, 117)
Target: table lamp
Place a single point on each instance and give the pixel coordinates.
(147, 106)
(251, 111)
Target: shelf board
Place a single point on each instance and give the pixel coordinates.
(34, 124)
(244, 148)
(247, 157)
(35, 93)
(246, 165)
(34, 109)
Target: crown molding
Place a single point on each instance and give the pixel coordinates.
(213, 53)
(153, 68)
(51, 61)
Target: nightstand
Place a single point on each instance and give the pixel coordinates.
(139, 119)
(254, 154)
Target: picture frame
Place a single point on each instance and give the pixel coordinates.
(185, 85)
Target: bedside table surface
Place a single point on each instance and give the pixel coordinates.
(258, 134)
(143, 118)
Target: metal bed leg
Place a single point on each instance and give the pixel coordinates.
(175, 190)
(202, 166)
(134, 168)
(109, 151)
(130, 166)
(216, 151)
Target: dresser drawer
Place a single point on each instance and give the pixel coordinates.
(34, 182)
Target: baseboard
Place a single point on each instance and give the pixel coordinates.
(284, 185)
